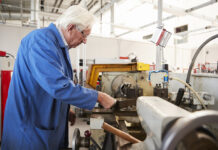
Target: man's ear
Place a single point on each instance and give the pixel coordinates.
(70, 27)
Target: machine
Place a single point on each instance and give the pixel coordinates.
(125, 82)
(146, 111)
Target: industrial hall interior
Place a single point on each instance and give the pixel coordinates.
(109, 74)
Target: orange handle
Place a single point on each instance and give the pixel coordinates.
(120, 133)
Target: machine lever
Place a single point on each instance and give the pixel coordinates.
(119, 133)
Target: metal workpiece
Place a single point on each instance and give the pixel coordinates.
(121, 83)
(126, 84)
(82, 113)
(186, 125)
(123, 103)
(155, 114)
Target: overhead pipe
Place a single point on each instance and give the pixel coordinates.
(37, 14)
(73, 2)
(55, 3)
(32, 12)
(90, 3)
(201, 5)
(78, 2)
(93, 3)
(59, 5)
(112, 19)
(101, 16)
(15, 16)
(105, 7)
(29, 9)
(21, 11)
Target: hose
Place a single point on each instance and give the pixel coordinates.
(196, 54)
(193, 61)
(150, 72)
(195, 93)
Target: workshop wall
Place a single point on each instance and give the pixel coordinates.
(103, 47)
(11, 36)
(208, 53)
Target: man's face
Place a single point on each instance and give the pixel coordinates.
(74, 36)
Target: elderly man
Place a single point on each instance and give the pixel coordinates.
(41, 88)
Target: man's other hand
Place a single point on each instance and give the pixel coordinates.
(72, 117)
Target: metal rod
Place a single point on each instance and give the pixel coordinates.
(101, 17)
(77, 63)
(21, 11)
(159, 24)
(32, 13)
(112, 19)
(29, 9)
(37, 14)
(201, 5)
(105, 7)
(84, 64)
(55, 3)
(59, 5)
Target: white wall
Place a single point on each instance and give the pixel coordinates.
(11, 36)
(209, 53)
(102, 47)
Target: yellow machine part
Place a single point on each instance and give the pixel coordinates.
(142, 66)
(97, 68)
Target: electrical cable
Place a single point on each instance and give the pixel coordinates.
(10, 55)
(195, 93)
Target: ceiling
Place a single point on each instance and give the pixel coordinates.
(130, 19)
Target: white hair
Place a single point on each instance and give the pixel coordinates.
(76, 15)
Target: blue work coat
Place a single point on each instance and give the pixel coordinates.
(40, 92)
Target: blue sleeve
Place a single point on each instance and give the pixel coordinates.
(45, 67)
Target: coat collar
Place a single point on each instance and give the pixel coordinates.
(58, 35)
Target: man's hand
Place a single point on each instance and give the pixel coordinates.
(72, 117)
(105, 100)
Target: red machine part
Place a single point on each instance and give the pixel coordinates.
(5, 82)
(2, 53)
(161, 36)
(87, 133)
